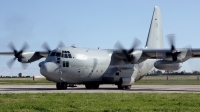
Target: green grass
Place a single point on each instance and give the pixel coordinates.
(103, 102)
(172, 80)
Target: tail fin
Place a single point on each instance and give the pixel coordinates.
(155, 36)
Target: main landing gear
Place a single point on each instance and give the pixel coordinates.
(61, 86)
(92, 86)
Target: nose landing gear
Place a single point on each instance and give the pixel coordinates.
(61, 86)
(123, 87)
(92, 86)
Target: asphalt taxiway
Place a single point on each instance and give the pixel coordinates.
(102, 89)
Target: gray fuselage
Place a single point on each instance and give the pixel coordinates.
(81, 65)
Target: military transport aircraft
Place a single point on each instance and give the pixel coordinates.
(92, 67)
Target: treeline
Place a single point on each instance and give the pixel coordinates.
(158, 72)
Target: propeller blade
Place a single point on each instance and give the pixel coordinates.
(24, 65)
(118, 45)
(136, 44)
(11, 62)
(171, 40)
(12, 47)
(61, 44)
(46, 47)
(24, 47)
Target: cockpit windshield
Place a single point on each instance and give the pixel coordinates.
(58, 54)
(66, 54)
(53, 54)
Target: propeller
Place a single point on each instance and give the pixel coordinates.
(186, 52)
(128, 53)
(17, 54)
(46, 47)
(174, 53)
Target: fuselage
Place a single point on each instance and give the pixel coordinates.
(82, 65)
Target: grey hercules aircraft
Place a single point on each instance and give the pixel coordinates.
(92, 67)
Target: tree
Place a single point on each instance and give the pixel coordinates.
(20, 75)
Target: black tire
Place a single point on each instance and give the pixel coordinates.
(120, 86)
(96, 86)
(58, 86)
(88, 86)
(128, 87)
(63, 85)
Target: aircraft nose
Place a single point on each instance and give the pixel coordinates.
(43, 70)
(48, 68)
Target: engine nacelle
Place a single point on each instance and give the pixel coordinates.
(127, 81)
(138, 57)
(28, 57)
(167, 65)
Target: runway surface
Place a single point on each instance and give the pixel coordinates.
(102, 89)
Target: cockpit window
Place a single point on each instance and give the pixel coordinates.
(69, 55)
(53, 54)
(66, 54)
(58, 54)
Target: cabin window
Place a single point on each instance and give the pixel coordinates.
(65, 63)
(58, 60)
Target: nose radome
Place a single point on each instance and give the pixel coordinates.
(43, 70)
(48, 68)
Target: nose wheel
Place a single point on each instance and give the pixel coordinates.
(123, 87)
(92, 86)
(61, 86)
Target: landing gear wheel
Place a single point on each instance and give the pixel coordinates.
(92, 86)
(58, 86)
(96, 86)
(88, 86)
(61, 86)
(120, 87)
(128, 87)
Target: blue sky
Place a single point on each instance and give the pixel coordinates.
(93, 24)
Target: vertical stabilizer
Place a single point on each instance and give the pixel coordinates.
(155, 36)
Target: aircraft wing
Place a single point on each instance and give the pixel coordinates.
(7, 53)
(140, 55)
(167, 53)
(38, 53)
